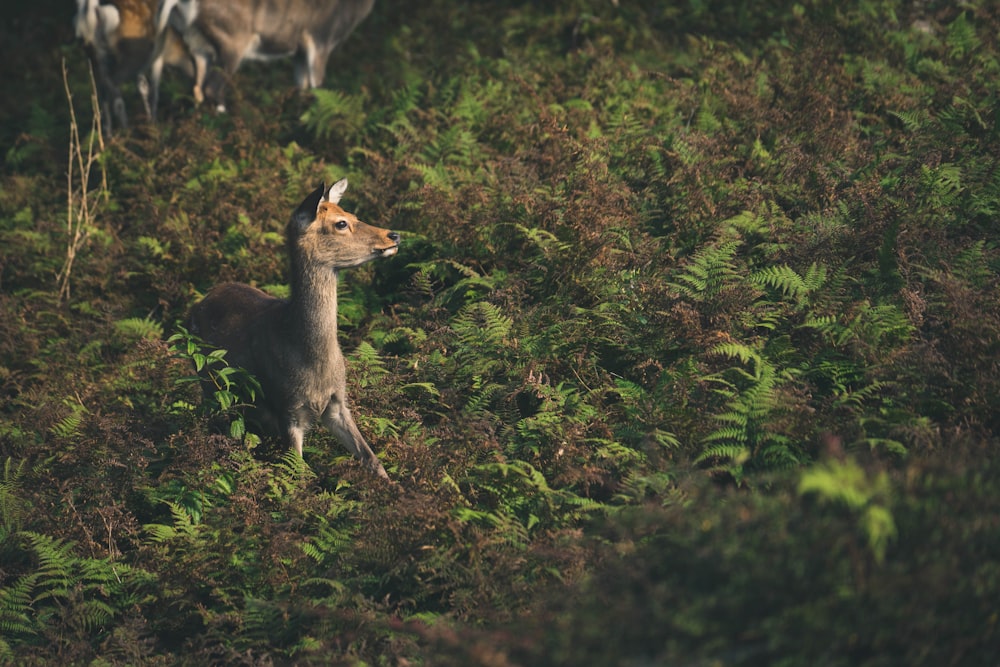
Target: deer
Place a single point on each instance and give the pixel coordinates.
(123, 41)
(221, 34)
(291, 345)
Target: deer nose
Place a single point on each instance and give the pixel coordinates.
(394, 237)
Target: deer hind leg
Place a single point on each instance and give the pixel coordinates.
(310, 66)
(295, 435)
(142, 83)
(200, 72)
(338, 419)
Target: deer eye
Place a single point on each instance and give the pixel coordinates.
(341, 224)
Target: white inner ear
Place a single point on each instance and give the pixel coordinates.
(337, 191)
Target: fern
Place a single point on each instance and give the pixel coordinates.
(367, 365)
(744, 437)
(520, 501)
(482, 395)
(139, 328)
(546, 242)
(290, 475)
(708, 272)
(13, 508)
(875, 329)
(15, 608)
(183, 526)
(334, 113)
(846, 483)
(971, 265)
(944, 183)
(70, 426)
(913, 121)
(480, 328)
(784, 279)
(962, 39)
(84, 594)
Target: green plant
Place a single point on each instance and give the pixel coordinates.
(230, 389)
(746, 437)
(845, 483)
(65, 599)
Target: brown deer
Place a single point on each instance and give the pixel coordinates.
(123, 43)
(290, 345)
(224, 33)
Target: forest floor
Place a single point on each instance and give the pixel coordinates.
(690, 354)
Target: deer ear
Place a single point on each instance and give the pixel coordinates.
(336, 191)
(306, 212)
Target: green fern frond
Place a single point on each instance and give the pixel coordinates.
(913, 120)
(334, 112)
(971, 265)
(708, 272)
(734, 350)
(784, 279)
(12, 507)
(857, 398)
(139, 328)
(55, 564)
(455, 145)
(482, 325)
(821, 323)
(962, 39)
(70, 426)
(434, 175)
(778, 454)
(638, 486)
(729, 453)
(547, 242)
(15, 607)
(944, 183)
(746, 222)
(368, 366)
(183, 525)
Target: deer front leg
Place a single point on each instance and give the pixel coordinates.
(340, 422)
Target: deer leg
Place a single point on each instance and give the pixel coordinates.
(142, 83)
(340, 422)
(153, 96)
(118, 107)
(295, 435)
(200, 72)
(317, 65)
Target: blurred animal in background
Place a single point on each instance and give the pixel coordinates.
(124, 43)
(221, 34)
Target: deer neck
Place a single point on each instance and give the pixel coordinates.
(313, 308)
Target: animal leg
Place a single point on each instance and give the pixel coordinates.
(317, 64)
(200, 72)
(143, 85)
(295, 435)
(340, 422)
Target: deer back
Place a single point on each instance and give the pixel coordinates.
(226, 32)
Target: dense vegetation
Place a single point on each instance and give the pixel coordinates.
(690, 356)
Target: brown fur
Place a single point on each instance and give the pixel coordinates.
(291, 345)
(123, 43)
(224, 33)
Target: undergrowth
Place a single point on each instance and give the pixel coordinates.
(687, 356)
